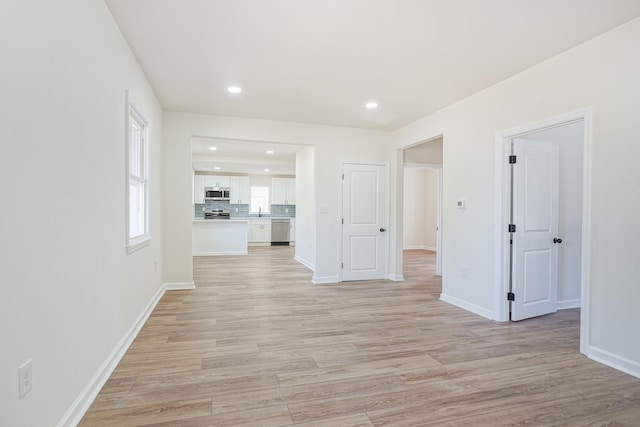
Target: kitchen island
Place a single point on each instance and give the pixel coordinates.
(212, 237)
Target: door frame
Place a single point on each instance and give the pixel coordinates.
(399, 220)
(502, 207)
(387, 206)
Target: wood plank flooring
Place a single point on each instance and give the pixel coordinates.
(256, 344)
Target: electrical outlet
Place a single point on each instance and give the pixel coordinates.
(155, 266)
(25, 378)
(465, 271)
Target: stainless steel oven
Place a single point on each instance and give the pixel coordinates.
(216, 214)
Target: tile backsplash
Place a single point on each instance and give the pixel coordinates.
(283, 211)
(242, 211)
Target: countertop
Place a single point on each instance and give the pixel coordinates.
(243, 219)
(229, 221)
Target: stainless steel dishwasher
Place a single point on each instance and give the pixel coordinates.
(280, 231)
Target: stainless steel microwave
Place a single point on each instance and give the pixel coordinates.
(216, 193)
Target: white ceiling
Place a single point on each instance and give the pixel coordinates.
(319, 61)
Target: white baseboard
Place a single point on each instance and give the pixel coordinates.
(304, 262)
(614, 361)
(424, 248)
(569, 303)
(259, 244)
(179, 286)
(481, 311)
(82, 403)
(318, 280)
(396, 277)
(220, 253)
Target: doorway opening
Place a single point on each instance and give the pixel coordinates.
(422, 198)
(571, 134)
(285, 173)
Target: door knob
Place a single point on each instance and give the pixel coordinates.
(557, 240)
(382, 230)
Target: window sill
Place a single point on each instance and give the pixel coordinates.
(138, 243)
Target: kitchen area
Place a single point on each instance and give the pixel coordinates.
(248, 204)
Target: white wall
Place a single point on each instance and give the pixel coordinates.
(420, 208)
(332, 145)
(429, 152)
(570, 142)
(305, 207)
(69, 291)
(602, 73)
(260, 181)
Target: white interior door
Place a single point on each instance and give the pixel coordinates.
(535, 215)
(364, 241)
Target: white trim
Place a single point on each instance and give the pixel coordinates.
(587, 183)
(501, 218)
(319, 280)
(304, 262)
(614, 361)
(480, 311)
(179, 286)
(259, 244)
(440, 214)
(569, 303)
(422, 165)
(131, 109)
(501, 305)
(224, 253)
(396, 277)
(82, 403)
(420, 247)
(138, 243)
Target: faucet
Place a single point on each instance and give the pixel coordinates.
(259, 211)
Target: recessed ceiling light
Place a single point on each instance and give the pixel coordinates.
(266, 170)
(212, 148)
(234, 89)
(371, 105)
(269, 151)
(217, 168)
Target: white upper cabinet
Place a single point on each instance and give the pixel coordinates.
(239, 190)
(198, 188)
(216, 181)
(283, 191)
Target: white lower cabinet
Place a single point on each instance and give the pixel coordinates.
(260, 231)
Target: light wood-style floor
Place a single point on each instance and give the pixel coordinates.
(256, 344)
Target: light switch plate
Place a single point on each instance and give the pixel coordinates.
(25, 378)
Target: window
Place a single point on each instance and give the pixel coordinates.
(138, 179)
(259, 200)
